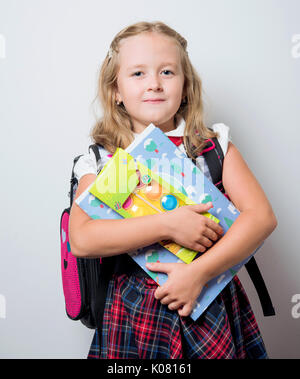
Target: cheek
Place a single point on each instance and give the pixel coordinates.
(176, 88)
(133, 91)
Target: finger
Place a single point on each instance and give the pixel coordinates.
(205, 241)
(185, 310)
(175, 305)
(158, 266)
(198, 247)
(209, 234)
(160, 293)
(201, 207)
(214, 226)
(167, 300)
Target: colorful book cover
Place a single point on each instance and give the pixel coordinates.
(155, 151)
(133, 190)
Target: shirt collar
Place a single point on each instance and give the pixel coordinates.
(179, 131)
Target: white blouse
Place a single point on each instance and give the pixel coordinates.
(87, 163)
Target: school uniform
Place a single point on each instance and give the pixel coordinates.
(136, 325)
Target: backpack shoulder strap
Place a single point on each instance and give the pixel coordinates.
(214, 158)
(73, 181)
(95, 148)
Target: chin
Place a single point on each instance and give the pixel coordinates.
(157, 120)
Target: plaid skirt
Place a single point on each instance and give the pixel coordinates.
(138, 326)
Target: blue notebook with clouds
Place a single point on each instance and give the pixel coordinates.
(155, 150)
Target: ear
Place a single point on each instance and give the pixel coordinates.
(116, 94)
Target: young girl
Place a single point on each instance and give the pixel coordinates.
(147, 77)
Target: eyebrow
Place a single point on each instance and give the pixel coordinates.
(144, 65)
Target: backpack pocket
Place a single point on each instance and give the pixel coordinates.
(73, 273)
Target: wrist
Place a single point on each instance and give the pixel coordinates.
(200, 269)
(164, 226)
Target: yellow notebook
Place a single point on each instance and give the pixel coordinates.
(133, 190)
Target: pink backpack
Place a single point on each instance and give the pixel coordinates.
(84, 281)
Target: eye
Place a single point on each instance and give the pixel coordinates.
(139, 72)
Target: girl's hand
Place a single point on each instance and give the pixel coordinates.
(182, 288)
(189, 228)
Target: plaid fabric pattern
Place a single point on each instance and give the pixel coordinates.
(136, 325)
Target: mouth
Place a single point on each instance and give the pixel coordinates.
(154, 101)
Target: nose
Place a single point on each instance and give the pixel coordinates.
(154, 83)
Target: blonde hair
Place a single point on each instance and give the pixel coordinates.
(115, 129)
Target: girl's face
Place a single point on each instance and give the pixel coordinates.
(150, 68)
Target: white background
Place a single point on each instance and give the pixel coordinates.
(243, 51)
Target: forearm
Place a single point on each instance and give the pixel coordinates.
(99, 238)
(247, 233)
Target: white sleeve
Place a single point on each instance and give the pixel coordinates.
(86, 164)
(224, 136)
